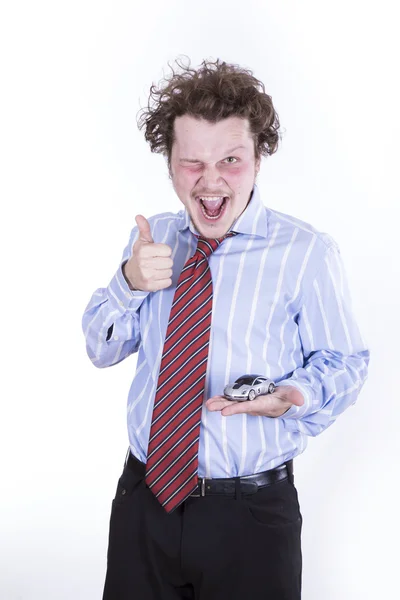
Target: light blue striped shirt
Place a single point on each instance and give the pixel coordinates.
(281, 308)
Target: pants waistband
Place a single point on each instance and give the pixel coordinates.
(248, 484)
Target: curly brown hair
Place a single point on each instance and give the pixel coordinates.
(214, 91)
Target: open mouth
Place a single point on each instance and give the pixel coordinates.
(212, 207)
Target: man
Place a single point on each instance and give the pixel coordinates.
(206, 506)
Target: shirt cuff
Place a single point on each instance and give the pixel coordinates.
(121, 297)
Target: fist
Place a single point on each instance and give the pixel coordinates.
(150, 267)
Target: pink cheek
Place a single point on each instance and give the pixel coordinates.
(233, 173)
(194, 173)
(188, 176)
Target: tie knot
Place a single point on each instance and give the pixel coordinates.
(207, 246)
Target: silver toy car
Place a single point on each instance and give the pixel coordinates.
(247, 387)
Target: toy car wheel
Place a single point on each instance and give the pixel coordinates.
(271, 388)
(252, 395)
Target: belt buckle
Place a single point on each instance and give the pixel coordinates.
(202, 488)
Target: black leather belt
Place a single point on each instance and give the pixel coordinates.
(249, 484)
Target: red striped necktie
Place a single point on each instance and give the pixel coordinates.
(172, 456)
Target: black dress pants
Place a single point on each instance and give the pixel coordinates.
(209, 548)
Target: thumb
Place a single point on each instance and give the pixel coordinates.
(144, 229)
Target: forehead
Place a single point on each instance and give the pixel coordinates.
(203, 139)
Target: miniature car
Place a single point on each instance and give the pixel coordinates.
(247, 387)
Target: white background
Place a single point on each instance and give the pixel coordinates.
(76, 171)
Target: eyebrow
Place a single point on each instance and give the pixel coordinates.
(227, 153)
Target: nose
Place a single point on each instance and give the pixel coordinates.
(211, 177)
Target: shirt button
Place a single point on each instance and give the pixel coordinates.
(123, 491)
(120, 303)
(127, 294)
(116, 338)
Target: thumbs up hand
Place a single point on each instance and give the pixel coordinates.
(150, 267)
(144, 229)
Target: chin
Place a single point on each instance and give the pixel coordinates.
(213, 234)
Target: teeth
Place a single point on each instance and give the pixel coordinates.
(212, 198)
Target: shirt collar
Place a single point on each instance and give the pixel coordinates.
(252, 221)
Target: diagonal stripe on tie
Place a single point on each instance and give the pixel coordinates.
(190, 358)
(186, 312)
(179, 450)
(170, 443)
(170, 394)
(189, 330)
(172, 455)
(171, 418)
(168, 479)
(177, 351)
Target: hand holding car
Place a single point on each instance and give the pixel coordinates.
(266, 405)
(150, 267)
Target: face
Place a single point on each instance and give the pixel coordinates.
(213, 170)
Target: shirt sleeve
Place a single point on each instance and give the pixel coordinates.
(335, 355)
(110, 321)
